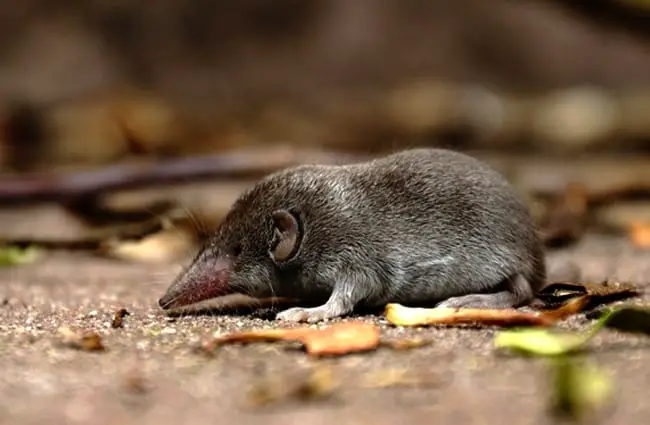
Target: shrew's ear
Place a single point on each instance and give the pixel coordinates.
(286, 236)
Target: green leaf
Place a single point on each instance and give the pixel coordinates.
(540, 342)
(579, 387)
(544, 342)
(627, 319)
(13, 255)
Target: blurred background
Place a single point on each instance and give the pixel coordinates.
(119, 118)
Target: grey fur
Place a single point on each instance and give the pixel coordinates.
(421, 226)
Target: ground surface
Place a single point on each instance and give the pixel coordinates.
(150, 373)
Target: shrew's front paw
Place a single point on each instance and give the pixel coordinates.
(309, 315)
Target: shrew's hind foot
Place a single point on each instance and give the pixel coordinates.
(498, 300)
(518, 293)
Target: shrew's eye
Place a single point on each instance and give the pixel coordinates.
(236, 250)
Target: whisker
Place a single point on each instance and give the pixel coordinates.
(197, 225)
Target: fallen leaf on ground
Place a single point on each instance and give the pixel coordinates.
(639, 234)
(557, 293)
(548, 343)
(118, 318)
(627, 319)
(540, 342)
(338, 339)
(400, 315)
(85, 341)
(13, 255)
(580, 388)
(317, 384)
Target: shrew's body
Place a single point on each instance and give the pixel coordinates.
(415, 227)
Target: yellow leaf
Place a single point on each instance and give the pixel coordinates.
(540, 342)
(13, 255)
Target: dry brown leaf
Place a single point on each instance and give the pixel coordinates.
(400, 315)
(639, 234)
(338, 339)
(85, 341)
(558, 293)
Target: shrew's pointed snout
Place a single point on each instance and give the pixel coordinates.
(206, 278)
(166, 301)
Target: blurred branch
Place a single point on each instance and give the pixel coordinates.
(49, 187)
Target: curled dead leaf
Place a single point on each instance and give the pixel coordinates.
(338, 339)
(558, 293)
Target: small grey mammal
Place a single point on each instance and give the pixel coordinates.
(415, 227)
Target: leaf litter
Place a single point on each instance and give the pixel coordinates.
(558, 293)
(579, 388)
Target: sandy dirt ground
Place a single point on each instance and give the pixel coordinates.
(151, 373)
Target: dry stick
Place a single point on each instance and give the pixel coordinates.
(96, 239)
(627, 192)
(64, 187)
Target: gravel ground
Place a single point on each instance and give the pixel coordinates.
(151, 373)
